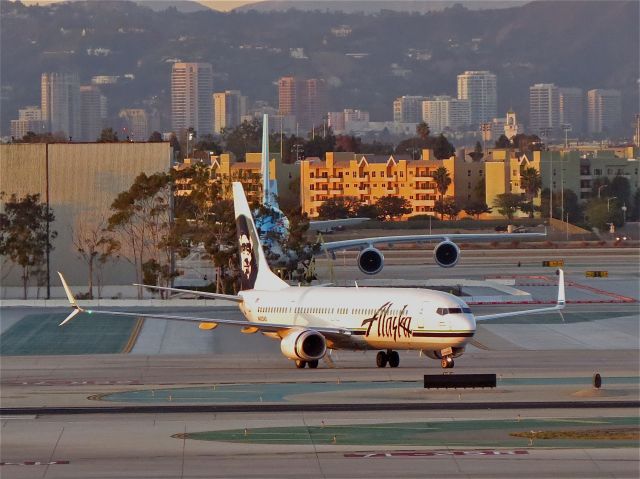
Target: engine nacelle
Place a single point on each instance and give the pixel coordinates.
(457, 352)
(303, 344)
(446, 254)
(370, 260)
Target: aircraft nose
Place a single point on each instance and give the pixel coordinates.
(463, 322)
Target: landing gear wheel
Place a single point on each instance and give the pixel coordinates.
(381, 359)
(447, 362)
(300, 364)
(313, 364)
(394, 359)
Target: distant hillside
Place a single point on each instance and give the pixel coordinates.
(585, 44)
(375, 6)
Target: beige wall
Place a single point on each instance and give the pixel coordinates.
(84, 179)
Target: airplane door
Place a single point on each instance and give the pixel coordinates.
(430, 319)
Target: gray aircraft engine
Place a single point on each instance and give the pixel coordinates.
(370, 260)
(446, 254)
(303, 345)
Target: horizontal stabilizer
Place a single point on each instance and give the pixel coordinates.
(560, 304)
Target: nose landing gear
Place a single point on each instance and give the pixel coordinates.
(447, 362)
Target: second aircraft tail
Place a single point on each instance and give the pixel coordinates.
(255, 273)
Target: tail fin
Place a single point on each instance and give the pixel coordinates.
(269, 186)
(253, 262)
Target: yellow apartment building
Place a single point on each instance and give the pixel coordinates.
(503, 168)
(249, 172)
(370, 177)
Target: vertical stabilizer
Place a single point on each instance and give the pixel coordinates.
(269, 186)
(256, 273)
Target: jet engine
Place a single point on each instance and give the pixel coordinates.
(304, 345)
(370, 261)
(446, 254)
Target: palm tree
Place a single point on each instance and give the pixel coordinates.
(442, 179)
(531, 183)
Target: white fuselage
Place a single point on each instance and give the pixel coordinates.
(378, 318)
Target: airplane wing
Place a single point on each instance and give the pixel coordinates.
(204, 294)
(205, 323)
(391, 240)
(325, 225)
(559, 305)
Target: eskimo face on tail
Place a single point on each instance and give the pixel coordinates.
(247, 248)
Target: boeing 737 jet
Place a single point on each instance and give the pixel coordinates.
(370, 260)
(308, 321)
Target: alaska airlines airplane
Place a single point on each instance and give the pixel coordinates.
(310, 320)
(370, 260)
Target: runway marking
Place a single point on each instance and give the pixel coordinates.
(67, 382)
(375, 455)
(33, 463)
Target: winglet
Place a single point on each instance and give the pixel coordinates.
(561, 295)
(76, 309)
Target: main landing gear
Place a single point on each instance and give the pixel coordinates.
(447, 362)
(391, 357)
(301, 364)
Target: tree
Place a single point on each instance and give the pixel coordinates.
(348, 143)
(338, 207)
(368, 211)
(477, 154)
(447, 207)
(503, 142)
(621, 189)
(563, 204)
(442, 148)
(391, 207)
(476, 208)
(423, 130)
(244, 138)
(531, 183)
(31, 137)
(442, 179)
(524, 142)
(634, 207)
(141, 218)
(107, 135)
(94, 245)
(318, 145)
(600, 213)
(25, 236)
(208, 143)
(507, 204)
(156, 137)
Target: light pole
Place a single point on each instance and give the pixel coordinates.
(624, 213)
(600, 188)
(566, 127)
(609, 200)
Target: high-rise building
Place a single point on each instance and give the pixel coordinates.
(604, 110)
(305, 99)
(544, 108)
(135, 123)
(408, 109)
(228, 109)
(60, 103)
(480, 88)
(91, 113)
(348, 120)
(444, 112)
(191, 97)
(572, 109)
(29, 119)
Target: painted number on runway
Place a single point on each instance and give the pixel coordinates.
(370, 455)
(33, 463)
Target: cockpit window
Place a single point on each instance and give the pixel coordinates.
(443, 311)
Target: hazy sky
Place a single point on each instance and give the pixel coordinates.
(222, 5)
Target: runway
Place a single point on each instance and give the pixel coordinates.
(247, 412)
